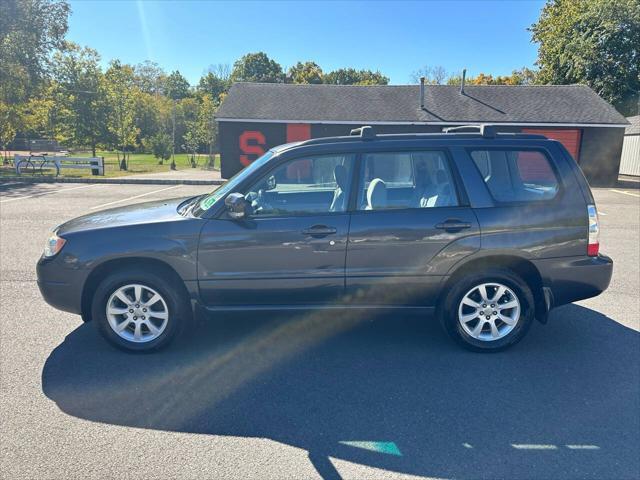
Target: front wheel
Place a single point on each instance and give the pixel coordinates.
(488, 311)
(139, 311)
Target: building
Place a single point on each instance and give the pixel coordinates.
(257, 116)
(630, 160)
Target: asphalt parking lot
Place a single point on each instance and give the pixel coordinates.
(308, 395)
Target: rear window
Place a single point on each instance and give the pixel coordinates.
(517, 175)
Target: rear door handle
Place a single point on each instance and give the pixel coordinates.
(452, 224)
(319, 231)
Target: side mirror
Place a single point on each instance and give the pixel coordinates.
(237, 206)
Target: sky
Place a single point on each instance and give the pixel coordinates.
(396, 38)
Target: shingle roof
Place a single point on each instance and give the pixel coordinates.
(634, 128)
(573, 104)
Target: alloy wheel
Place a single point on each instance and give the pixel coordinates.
(489, 311)
(137, 313)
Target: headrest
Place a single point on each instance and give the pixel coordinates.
(340, 174)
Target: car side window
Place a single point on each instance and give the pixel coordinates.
(313, 184)
(517, 175)
(406, 180)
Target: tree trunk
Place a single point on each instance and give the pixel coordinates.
(123, 162)
(212, 161)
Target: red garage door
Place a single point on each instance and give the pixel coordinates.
(569, 138)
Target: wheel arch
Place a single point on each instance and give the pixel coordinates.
(522, 267)
(110, 266)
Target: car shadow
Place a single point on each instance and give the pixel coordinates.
(387, 391)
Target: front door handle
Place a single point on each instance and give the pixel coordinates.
(453, 224)
(319, 231)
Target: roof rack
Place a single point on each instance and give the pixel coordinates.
(484, 129)
(365, 132)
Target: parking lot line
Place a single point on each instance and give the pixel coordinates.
(134, 197)
(625, 193)
(533, 446)
(35, 195)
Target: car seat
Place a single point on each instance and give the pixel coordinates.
(339, 197)
(376, 195)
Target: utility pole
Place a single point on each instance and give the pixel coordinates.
(211, 161)
(173, 142)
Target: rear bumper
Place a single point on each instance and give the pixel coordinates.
(575, 278)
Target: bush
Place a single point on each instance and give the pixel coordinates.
(161, 146)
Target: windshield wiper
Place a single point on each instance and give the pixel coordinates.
(186, 207)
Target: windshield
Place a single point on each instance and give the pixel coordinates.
(206, 202)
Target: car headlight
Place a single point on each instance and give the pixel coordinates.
(54, 245)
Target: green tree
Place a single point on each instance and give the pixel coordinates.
(209, 129)
(524, 76)
(257, 67)
(150, 78)
(46, 115)
(192, 139)
(8, 124)
(342, 76)
(152, 115)
(120, 95)
(161, 146)
(307, 72)
(351, 76)
(176, 87)
(80, 85)
(186, 116)
(213, 85)
(593, 42)
(368, 77)
(30, 30)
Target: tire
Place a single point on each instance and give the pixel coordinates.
(27, 167)
(502, 323)
(148, 324)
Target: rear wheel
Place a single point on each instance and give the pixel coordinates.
(488, 311)
(139, 311)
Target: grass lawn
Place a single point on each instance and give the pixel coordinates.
(138, 163)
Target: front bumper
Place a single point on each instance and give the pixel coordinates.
(575, 278)
(60, 284)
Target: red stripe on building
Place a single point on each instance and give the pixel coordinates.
(569, 138)
(297, 132)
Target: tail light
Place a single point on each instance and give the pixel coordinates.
(594, 231)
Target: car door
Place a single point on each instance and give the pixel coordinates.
(291, 249)
(410, 225)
